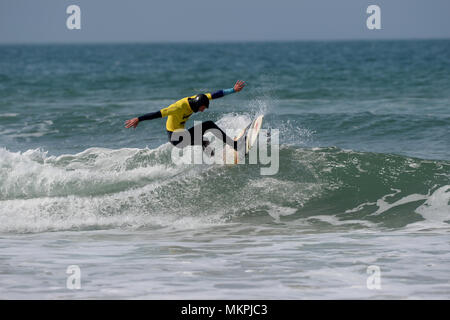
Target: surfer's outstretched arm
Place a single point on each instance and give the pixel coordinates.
(220, 93)
(172, 109)
(149, 116)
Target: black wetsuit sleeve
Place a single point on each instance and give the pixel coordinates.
(217, 94)
(221, 93)
(150, 116)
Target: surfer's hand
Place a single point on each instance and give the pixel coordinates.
(132, 123)
(239, 85)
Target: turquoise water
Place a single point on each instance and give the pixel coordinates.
(364, 176)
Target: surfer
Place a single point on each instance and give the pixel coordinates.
(179, 112)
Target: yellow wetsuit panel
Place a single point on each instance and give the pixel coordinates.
(178, 113)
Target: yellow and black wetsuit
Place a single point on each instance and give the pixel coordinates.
(179, 112)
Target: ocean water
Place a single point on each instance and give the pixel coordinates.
(363, 180)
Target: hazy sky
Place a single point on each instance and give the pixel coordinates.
(26, 21)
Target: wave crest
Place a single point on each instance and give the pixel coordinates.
(142, 188)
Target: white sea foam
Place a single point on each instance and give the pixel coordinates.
(8, 115)
(384, 206)
(435, 209)
(437, 206)
(97, 188)
(34, 174)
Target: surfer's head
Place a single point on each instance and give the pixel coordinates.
(199, 103)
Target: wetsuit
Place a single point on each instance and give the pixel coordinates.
(179, 112)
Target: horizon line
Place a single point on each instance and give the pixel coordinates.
(218, 41)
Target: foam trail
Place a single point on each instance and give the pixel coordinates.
(384, 206)
(437, 207)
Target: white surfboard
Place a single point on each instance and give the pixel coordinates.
(251, 133)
